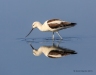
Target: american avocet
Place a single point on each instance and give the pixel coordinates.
(53, 25)
(52, 51)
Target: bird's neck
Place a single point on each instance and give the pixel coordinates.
(42, 49)
(39, 26)
(38, 52)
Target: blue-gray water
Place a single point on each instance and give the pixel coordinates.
(16, 56)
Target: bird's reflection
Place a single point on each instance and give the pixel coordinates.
(52, 51)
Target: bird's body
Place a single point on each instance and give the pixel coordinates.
(52, 51)
(53, 25)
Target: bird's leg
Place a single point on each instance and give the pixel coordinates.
(58, 43)
(59, 35)
(53, 36)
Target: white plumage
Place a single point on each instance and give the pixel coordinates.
(53, 25)
(52, 51)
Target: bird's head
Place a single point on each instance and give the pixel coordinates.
(36, 53)
(35, 24)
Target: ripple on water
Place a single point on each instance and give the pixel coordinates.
(49, 39)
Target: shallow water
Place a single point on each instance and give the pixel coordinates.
(83, 61)
(17, 56)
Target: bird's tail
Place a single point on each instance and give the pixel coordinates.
(71, 52)
(68, 52)
(73, 24)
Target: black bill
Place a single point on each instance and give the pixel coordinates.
(29, 32)
(31, 46)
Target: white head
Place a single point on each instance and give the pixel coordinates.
(35, 24)
(36, 53)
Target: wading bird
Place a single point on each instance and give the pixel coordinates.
(53, 25)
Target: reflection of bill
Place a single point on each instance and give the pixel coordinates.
(52, 51)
